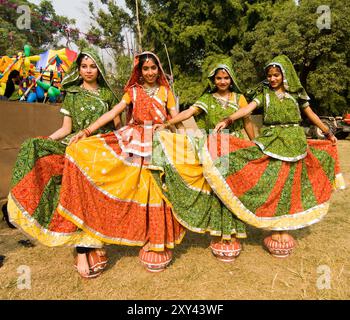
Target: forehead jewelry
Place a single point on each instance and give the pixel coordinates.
(86, 57)
(147, 59)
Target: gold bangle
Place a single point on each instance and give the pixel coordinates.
(228, 122)
(328, 134)
(87, 132)
(167, 124)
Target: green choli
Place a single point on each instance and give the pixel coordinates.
(85, 107)
(281, 136)
(213, 112)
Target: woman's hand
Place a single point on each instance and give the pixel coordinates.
(220, 126)
(331, 137)
(159, 126)
(77, 137)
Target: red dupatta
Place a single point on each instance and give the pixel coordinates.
(137, 136)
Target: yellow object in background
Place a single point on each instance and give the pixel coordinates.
(2, 88)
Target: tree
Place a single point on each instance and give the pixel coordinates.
(107, 30)
(110, 24)
(321, 56)
(197, 32)
(251, 32)
(46, 27)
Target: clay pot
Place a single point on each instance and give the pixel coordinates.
(279, 249)
(96, 264)
(226, 251)
(155, 261)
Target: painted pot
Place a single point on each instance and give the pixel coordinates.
(155, 261)
(96, 264)
(279, 249)
(226, 251)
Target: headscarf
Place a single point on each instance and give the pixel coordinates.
(291, 80)
(225, 64)
(72, 78)
(137, 74)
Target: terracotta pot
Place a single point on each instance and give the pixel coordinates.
(226, 251)
(96, 264)
(279, 249)
(155, 261)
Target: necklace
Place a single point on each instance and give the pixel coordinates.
(151, 91)
(223, 101)
(280, 95)
(94, 90)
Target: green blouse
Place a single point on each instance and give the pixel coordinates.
(85, 107)
(281, 136)
(210, 111)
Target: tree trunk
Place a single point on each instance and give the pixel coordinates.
(139, 34)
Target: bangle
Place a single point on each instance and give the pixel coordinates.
(87, 132)
(328, 134)
(228, 121)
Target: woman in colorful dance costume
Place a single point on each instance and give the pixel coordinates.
(182, 181)
(37, 174)
(108, 189)
(280, 181)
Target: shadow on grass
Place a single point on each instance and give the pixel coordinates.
(255, 237)
(190, 240)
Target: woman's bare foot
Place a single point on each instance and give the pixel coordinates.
(226, 241)
(146, 246)
(276, 236)
(101, 252)
(229, 241)
(286, 237)
(281, 236)
(83, 265)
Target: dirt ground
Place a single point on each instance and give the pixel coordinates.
(319, 268)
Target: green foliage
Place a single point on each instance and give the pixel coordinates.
(198, 33)
(124, 67)
(41, 35)
(321, 57)
(10, 41)
(108, 29)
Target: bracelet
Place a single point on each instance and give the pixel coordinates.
(328, 134)
(228, 121)
(87, 132)
(167, 124)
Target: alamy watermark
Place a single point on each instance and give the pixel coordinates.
(24, 281)
(24, 20)
(324, 280)
(324, 20)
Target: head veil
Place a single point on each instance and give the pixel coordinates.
(72, 78)
(291, 80)
(137, 74)
(226, 65)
